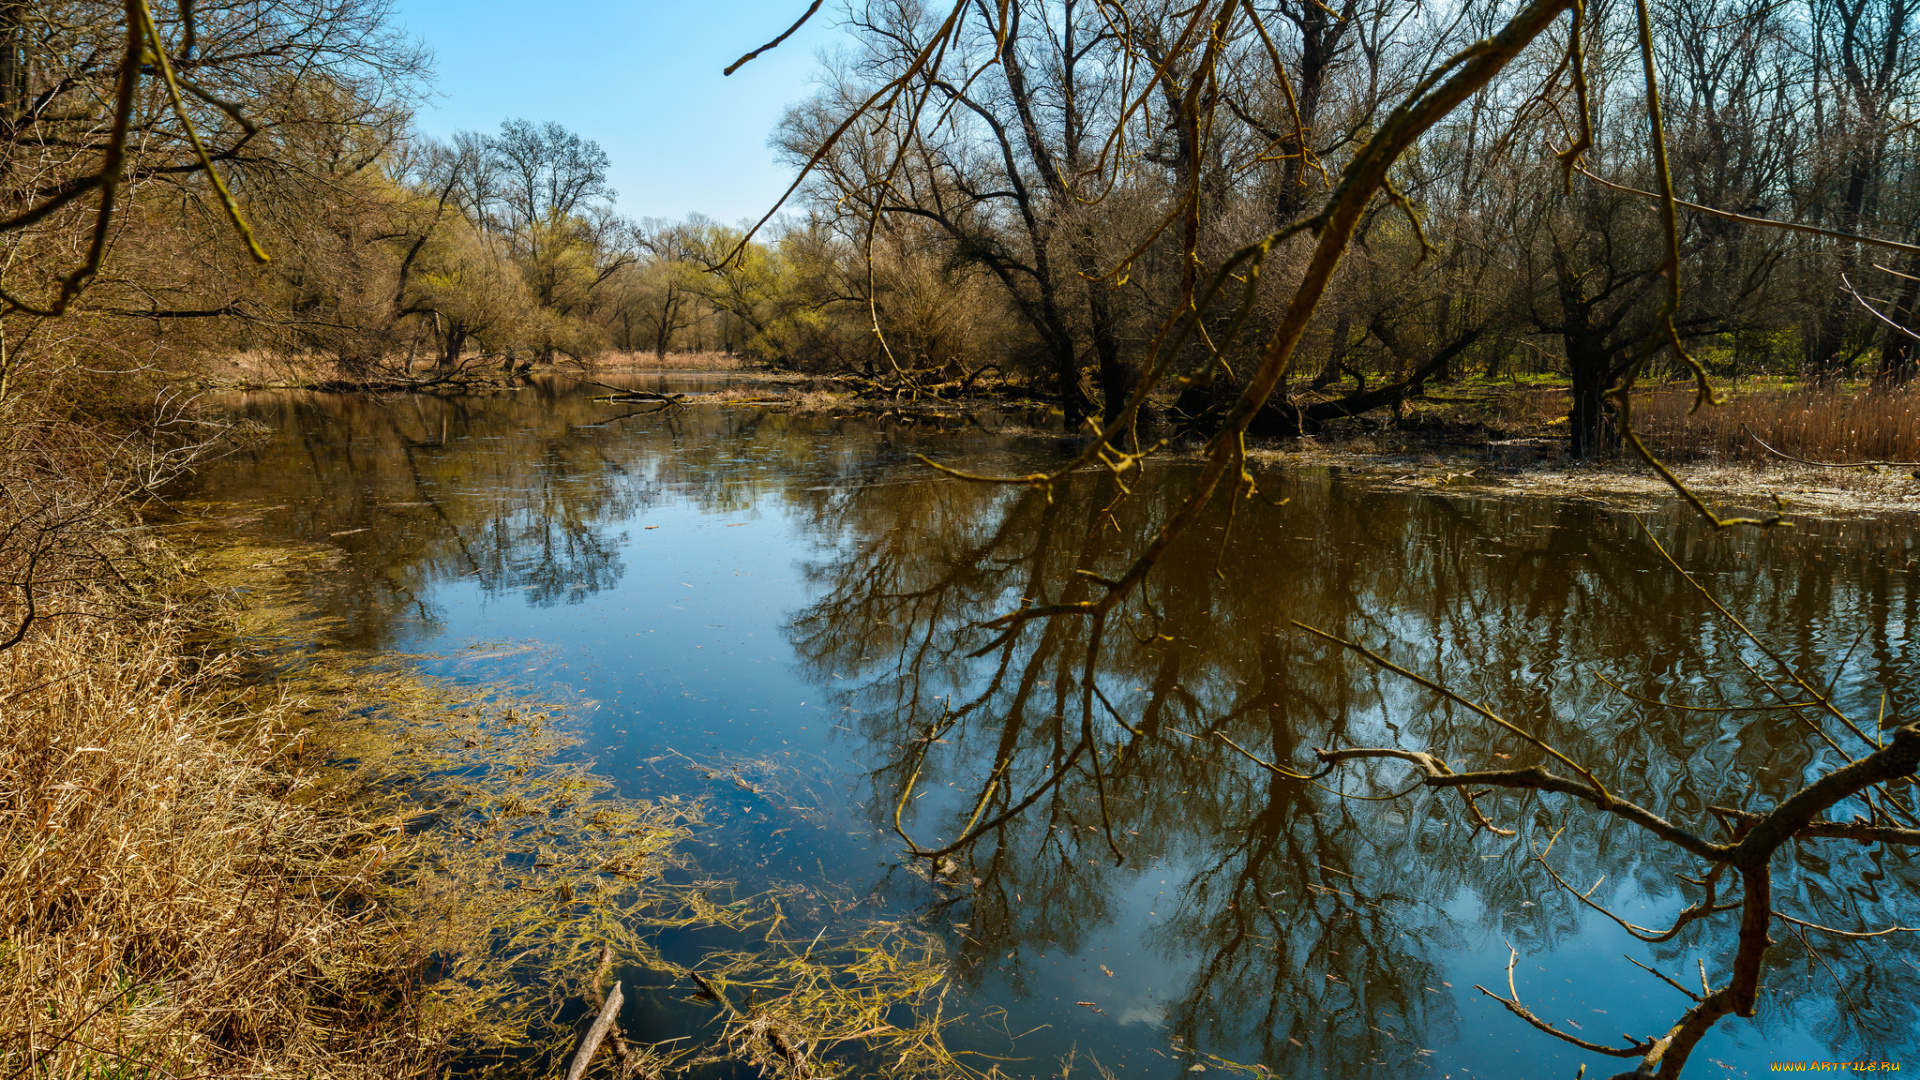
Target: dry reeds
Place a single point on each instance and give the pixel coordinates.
(708, 360)
(1821, 425)
(163, 911)
(344, 871)
(344, 868)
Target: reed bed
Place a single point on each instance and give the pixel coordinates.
(707, 360)
(1817, 424)
(164, 911)
(337, 869)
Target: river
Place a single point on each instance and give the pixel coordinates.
(779, 614)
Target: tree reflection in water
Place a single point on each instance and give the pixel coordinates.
(1313, 921)
(1314, 906)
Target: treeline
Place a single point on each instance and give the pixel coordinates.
(1029, 222)
(1062, 173)
(266, 191)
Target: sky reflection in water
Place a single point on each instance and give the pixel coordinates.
(768, 611)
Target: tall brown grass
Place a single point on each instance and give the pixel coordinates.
(673, 361)
(223, 854)
(164, 910)
(204, 871)
(1817, 424)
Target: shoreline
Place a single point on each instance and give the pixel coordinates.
(1624, 484)
(1438, 454)
(347, 839)
(332, 837)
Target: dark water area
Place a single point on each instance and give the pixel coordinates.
(779, 614)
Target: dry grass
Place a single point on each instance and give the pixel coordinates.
(673, 361)
(1822, 425)
(263, 367)
(346, 871)
(164, 911)
(342, 868)
(800, 396)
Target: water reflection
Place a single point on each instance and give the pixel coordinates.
(1201, 904)
(1314, 915)
(527, 490)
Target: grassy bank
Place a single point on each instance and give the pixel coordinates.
(674, 361)
(258, 369)
(217, 862)
(226, 852)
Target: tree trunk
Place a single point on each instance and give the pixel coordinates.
(1066, 373)
(1336, 353)
(1320, 33)
(14, 63)
(1442, 324)
(456, 343)
(1896, 357)
(1118, 379)
(1591, 414)
(1830, 344)
(1497, 359)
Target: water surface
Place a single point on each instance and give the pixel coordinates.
(781, 614)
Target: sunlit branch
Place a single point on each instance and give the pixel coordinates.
(1747, 219)
(775, 43)
(227, 203)
(1846, 933)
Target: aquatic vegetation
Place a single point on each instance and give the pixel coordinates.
(281, 859)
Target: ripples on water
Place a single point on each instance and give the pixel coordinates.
(774, 611)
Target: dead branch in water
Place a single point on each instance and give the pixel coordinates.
(590, 1043)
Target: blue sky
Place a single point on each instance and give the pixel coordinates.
(642, 78)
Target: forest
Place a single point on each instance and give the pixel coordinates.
(1153, 241)
(1028, 227)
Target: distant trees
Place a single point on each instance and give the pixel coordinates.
(264, 189)
(546, 198)
(1042, 220)
(519, 247)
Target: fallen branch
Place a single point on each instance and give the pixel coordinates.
(595, 1034)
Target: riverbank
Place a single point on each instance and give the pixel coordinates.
(1511, 440)
(1478, 435)
(230, 854)
(259, 370)
(233, 849)
(1620, 483)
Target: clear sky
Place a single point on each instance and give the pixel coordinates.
(641, 78)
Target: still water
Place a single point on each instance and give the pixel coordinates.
(781, 614)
